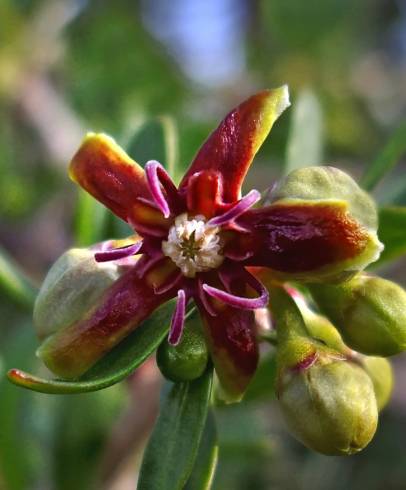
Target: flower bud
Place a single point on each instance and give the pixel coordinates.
(323, 182)
(327, 401)
(369, 312)
(381, 373)
(70, 289)
(188, 359)
(356, 238)
(322, 330)
(329, 405)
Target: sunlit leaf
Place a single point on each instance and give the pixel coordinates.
(392, 233)
(174, 443)
(305, 144)
(206, 460)
(387, 159)
(14, 283)
(114, 366)
(17, 466)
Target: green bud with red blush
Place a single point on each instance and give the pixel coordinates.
(350, 218)
(328, 402)
(321, 329)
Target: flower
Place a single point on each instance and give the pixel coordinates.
(202, 241)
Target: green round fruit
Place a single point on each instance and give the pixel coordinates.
(187, 360)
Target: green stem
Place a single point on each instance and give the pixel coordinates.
(287, 315)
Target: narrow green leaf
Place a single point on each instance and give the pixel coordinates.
(305, 144)
(174, 443)
(114, 366)
(155, 139)
(14, 283)
(90, 220)
(18, 444)
(392, 233)
(205, 466)
(387, 159)
(77, 454)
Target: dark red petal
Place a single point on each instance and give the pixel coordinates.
(231, 148)
(148, 220)
(296, 238)
(73, 350)
(204, 193)
(233, 346)
(104, 170)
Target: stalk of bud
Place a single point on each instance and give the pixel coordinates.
(370, 313)
(327, 401)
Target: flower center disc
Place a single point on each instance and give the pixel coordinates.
(193, 245)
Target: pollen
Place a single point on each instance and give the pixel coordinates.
(193, 245)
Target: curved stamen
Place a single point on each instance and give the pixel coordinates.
(118, 253)
(238, 257)
(157, 176)
(169, 284)
(237, 210)
(146, 262)
(239, 301)
(202, 296)
(178, 319)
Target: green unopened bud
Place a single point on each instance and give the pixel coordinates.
(328, 402)
(370, 313)
(381, 373)
(188, 359)
(70, 289)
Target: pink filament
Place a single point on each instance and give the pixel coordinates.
(239, 301)
(178, 319)
(157, 178)
(118, 253)
(202, 296)
(169, 284)
(237, 210)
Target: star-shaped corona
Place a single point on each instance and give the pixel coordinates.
(203, 242)
(193, 245)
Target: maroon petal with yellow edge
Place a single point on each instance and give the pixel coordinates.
(233, 346)
(303, 238)
(231, 148)
(104, 170)
(71, 351)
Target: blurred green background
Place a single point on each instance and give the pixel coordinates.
(70, 66)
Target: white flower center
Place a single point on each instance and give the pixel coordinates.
(193, 245)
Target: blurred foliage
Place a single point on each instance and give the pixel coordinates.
(67, 66)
